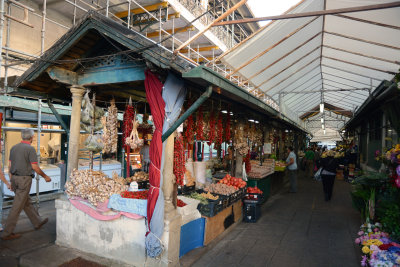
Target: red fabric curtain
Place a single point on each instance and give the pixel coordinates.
(157, 106)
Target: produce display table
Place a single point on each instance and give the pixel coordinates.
(219, 223)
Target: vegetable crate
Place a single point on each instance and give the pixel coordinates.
(264, 185)
(191, 205)
(211, 209)
(186, 190)
(251, 211)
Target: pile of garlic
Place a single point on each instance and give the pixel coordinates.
(110, 129)
(94, 186)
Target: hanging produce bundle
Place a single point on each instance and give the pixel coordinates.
(179, 161)
(211, 134)
(219, 130)
(110, 130)
(200, 125)
(247, 163)
(88, 112)
(228, 128)
(241, 134)
(94, 143)
(189, 132)
(129, 116)
(94, 186)
(133, 140)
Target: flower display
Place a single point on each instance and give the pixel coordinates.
(377, 248)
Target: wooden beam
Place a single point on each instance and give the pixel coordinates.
(362, 55)
(364, 41)
(291, 75)
(139, 10)
(201, 49)
(180, 30)
(279, 59)
(313, 13)
(197, 35)
(369, 22)
(359, 65)
(296, 61)
(271, 47)
(62, 75)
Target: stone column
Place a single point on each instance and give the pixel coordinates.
(172, 219)
(73, 143)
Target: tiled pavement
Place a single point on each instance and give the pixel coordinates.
(294, 230)
(298, 229)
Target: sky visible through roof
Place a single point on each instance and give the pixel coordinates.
(263, 8)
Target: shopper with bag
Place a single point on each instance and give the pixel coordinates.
(329, 164)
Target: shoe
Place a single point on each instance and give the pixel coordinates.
(42, 223)
(11, 236)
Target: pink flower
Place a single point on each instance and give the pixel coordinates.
(376, 230)
(361, 233)
(358, 240)
(364, 261)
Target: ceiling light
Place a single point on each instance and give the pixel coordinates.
(251, 120)
(256, 121)
(324, 131)
(224, 111)
(321, 107)
(231, 113)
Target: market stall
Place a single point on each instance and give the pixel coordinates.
(94, 216)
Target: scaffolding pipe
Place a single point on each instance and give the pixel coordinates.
(107, 5)
(38, 149)
(3, 150)
(74, 12)
(6, 54)
(43, 31)
(129, 14)
(1, 29)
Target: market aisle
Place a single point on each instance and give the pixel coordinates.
(295, 230)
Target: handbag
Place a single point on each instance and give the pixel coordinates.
(317, 175)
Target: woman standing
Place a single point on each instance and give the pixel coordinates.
(291, 164)
(329, 165)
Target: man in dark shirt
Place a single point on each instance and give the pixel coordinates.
(22, 165)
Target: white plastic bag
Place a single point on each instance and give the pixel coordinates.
(244, 174)
(317, 175)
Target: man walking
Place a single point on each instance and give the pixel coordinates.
(309, 162)
(23, 162)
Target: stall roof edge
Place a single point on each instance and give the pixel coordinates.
(106, 27)
(204, 75)
(383, 89)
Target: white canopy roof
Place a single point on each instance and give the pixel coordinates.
(299, 58)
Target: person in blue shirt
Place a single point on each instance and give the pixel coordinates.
(291, 164)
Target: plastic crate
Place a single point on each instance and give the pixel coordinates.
(186, 190)
(192, 236)
(211, 209)
(258, 198)
(251, 211)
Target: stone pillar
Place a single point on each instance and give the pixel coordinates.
(172, 219)
(73, 144)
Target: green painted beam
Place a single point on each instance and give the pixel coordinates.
(60, 120)
(188, 112)
(16, 102)
(210, 76)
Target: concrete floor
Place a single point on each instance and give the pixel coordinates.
(299, 229)
(294, 230)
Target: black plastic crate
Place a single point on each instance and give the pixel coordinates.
(186, 190)
(211, 209)
(251, 211)
(256, 198)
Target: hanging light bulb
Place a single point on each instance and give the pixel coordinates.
(321, 107)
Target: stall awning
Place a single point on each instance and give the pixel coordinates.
(336, 59)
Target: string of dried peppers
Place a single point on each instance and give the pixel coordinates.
(137, 194)
(129, 116)
(199, 125)
(211, 135)
(220, 132)
(228, 127)
(179, 160)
